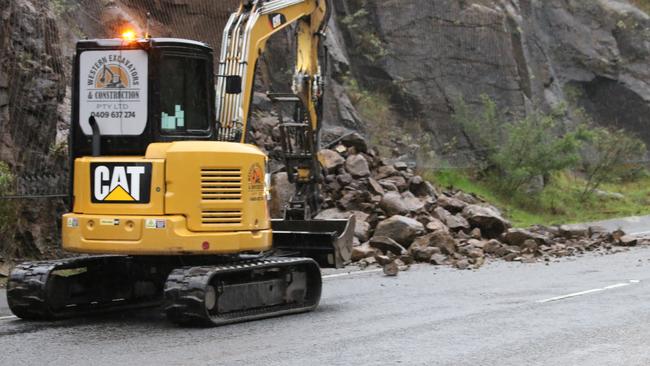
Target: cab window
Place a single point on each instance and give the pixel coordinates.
(184, 95)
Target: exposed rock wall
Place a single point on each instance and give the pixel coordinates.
(522, 53)
(32, 85)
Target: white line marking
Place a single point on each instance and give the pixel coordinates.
(616, 286)
(352, 273)
(581, 293)
(8, 317)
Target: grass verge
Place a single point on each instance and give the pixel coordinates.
(560, 202)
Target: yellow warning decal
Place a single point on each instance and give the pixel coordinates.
(119, 194)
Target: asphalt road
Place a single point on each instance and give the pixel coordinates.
(591, 310)
(639, 225)
(425, 316)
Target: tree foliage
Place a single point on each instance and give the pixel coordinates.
(6, 178)
(517, 151)
(7, 209)
(608, 155)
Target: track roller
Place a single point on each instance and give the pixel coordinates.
(242, 291)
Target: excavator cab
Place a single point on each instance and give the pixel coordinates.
(139, 92)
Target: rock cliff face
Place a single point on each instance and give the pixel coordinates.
(32, 86)
(522, 53)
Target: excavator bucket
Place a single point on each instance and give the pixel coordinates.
(328, 242)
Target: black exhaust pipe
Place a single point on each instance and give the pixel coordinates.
(97, 136)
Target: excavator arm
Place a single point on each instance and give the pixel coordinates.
(244, 41)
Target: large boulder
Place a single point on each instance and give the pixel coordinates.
(387, 245)
(444, 241)
(421, 242)
(363, 251)
(628, 241)
(265, 124)
(441, 241)
(574, 231)
(376, 187)
(453, 222)
(438, 259)
(330, 160)
(400, 228)
(451, 204)
(353, 199)
(356, 141)
(488, 219)
(493, 247)
(519, 236)
(421, 187)
(398, 181)
(466, 197)
(357, 166)
(344, 179)
(436, 225)
(393, 204)
(412, 203)
(386, 171)
(423, 254)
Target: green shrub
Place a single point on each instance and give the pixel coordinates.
(373, 107)
(7, 207)
(366, 42)
(608, 155)
(6, 179)
(485, 128)
(518, 151)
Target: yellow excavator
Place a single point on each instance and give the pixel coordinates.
(170, 199)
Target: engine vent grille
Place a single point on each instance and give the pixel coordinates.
(221, 217)
(221, 184)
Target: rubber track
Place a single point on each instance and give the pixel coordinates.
(27, 290)
(185, 291)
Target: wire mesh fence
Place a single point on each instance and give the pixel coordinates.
(35, 77)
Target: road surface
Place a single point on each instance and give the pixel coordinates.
(591, 310)
(638, 225)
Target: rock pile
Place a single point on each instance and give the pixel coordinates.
(402, 218)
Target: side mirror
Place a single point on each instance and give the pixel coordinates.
(233, 84)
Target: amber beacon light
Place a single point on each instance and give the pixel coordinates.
(128, 35)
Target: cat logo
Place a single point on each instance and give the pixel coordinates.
(120, 182)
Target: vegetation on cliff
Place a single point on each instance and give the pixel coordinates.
(545, 170)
